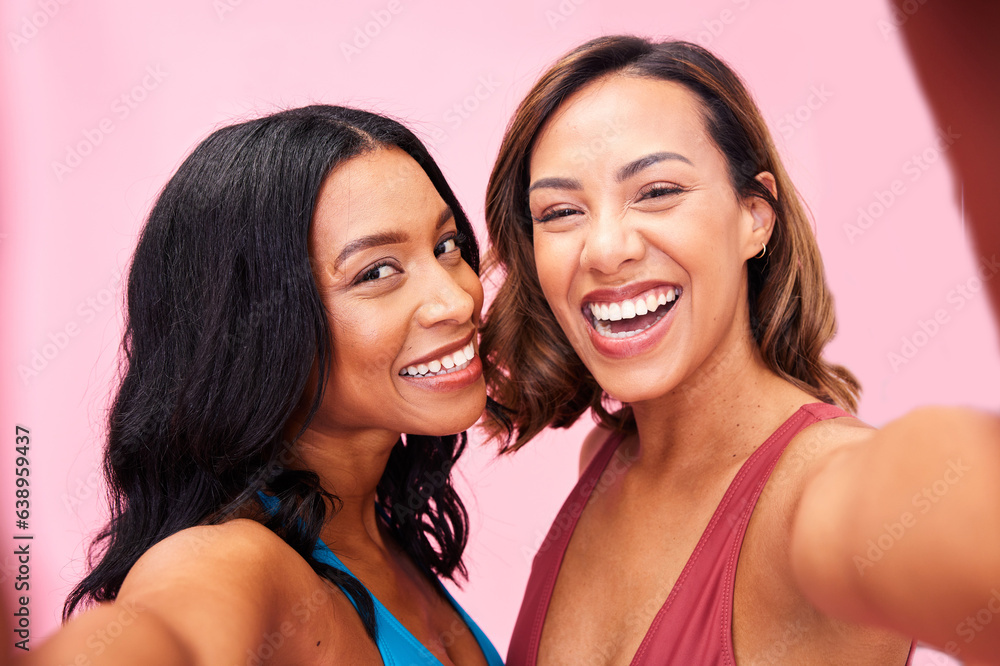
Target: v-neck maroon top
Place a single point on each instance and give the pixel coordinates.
(695, 623)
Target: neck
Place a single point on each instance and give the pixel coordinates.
(349, 466)
(717, 416)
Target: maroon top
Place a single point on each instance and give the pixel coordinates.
(695, 624)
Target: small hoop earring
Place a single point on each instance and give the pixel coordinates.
(763, 251)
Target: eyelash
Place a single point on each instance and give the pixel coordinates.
(559, 212)
(371, 274)
(658, 191)
(651, 193)
(457, 237)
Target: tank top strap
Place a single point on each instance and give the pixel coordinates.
(527, 632)
(694, 625)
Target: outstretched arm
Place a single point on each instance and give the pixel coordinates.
(206, 595)
(903, 531)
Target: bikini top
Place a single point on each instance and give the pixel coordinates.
(695, 623)
(396, 644)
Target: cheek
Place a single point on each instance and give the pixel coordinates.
(554, 262)
(364, 344)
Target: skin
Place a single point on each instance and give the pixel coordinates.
(952, 543)
(696, 391)
(230, 593)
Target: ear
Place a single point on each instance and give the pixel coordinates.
(761, 215)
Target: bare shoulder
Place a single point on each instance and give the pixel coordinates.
(811, 448)
(808, 452)
(220, 588)
(235, 552)
(592, 443)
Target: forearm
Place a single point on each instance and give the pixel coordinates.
(904, 531)
(118, 634)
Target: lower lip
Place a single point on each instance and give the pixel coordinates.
(639, 343)
(452, 381)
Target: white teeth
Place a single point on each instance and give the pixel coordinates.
(607, 312)
(628, 310)
(447, 363)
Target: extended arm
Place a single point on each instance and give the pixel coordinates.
(903, 531)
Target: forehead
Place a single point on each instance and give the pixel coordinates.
(382, 190)
(621, 115)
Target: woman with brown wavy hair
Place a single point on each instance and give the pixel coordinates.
(661, 271)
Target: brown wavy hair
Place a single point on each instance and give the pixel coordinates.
(535, 373)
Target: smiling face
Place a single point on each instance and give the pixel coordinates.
(403, 305)
(640, 240)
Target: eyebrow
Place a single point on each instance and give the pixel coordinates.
(556, 184)
(623, 174)
(638, 165)
(385, 238)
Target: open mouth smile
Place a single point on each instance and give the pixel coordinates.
(630, 317)
(446, 364)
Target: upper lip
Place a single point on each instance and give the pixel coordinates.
(624, 292)
(449, 348)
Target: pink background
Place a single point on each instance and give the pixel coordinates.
(454, 73)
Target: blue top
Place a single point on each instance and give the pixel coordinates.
(396, 644)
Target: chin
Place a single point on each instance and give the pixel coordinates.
(632, 387)
(452, 419)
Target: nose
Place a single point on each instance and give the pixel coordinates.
(445, 299)
(611, 242)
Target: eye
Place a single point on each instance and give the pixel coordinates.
(555, 213)
(449, 244)
(377, 272)
(657, 191)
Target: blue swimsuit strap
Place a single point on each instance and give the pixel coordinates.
(400, 639)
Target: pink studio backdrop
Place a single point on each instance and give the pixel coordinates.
(103, 99)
